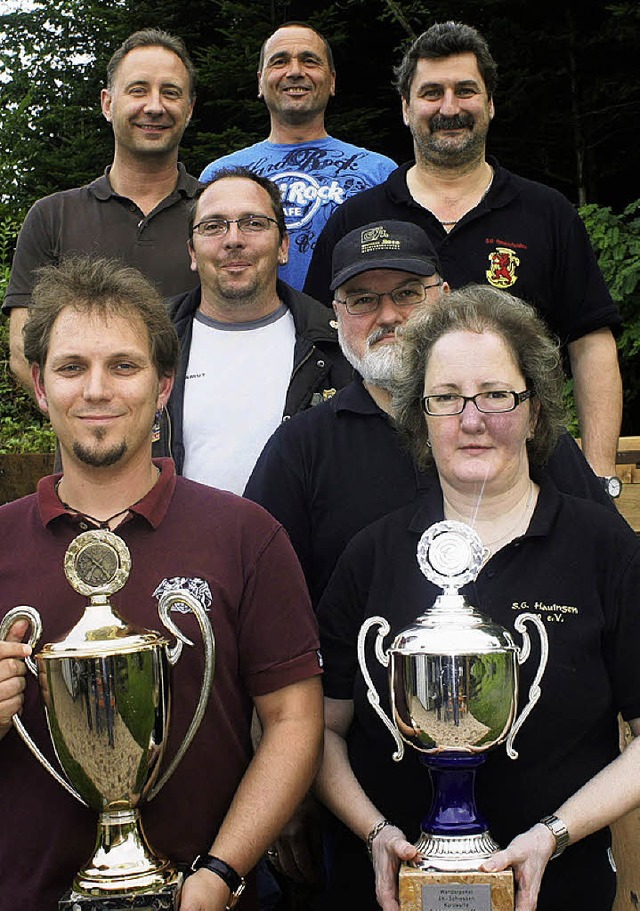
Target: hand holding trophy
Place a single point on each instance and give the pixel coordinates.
(106, 692)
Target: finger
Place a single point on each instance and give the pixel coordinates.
(17, 631)
(497, 862)
(11, 699)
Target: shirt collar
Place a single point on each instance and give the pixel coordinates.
(431, 510)
(153, 507)
(185, 187)
(355, 398)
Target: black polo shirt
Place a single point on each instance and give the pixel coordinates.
(578, 568)
(335, 468)
(95, 220)
(523, 237)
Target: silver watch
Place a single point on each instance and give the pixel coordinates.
(612, 485)
(559, 832)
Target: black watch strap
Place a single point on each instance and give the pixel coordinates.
(225, 871)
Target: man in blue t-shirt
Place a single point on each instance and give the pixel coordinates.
(314, 171)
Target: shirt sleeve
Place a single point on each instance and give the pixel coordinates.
(34, 248)
(277, 630)
(582, 301)
(622, 632)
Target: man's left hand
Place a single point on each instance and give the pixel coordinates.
(204, 891)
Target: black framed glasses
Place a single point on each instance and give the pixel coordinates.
(497, 401)
(406, 295)
(248, 224)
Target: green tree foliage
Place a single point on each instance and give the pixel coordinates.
(567, 102)
(22, 426)
(616, 240)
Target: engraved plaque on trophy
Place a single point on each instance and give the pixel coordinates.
(453, 679)
(106, 692)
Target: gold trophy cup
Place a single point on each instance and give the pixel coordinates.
(106, 692)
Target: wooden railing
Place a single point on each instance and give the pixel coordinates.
(628, 470)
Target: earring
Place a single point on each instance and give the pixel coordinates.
(155, 430)
(428, 444)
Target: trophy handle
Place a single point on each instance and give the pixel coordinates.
(24, 612)
(372, 693)
(534, 689)
(166, 602)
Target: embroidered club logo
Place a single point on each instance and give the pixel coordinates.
(196, 587)
(502, 267)
(375, 239)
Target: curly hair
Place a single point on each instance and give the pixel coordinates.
(481, 308)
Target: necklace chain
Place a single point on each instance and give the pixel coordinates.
(101, 523)
(452, 224)
(509, 534)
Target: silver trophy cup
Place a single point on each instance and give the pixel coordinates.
(453, 679)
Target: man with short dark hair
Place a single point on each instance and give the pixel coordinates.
(137, 211)
(489, 225)
(314, 171)
(104, 355)
(254, 350)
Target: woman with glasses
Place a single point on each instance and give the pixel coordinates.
(479, 399)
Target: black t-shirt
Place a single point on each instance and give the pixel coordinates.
(523, 237)
(578, 568)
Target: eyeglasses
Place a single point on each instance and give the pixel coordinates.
(495, 402)
(248, 224)
(405, 296)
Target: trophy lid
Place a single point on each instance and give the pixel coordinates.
(450, 554)
(97, 563)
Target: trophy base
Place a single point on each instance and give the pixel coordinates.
(429, 890)
(455, 853)
(164, 898)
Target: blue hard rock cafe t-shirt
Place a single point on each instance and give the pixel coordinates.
(314, 178)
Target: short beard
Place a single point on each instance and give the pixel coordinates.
(432, 149)
(376, 367)
(99, 459)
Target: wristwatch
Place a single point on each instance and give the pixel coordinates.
(559, 832)
(226, 872)
(612, 485)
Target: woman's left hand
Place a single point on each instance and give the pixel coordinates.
(529, 855)
(390, 848)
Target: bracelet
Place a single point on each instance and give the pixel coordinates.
(377, 829)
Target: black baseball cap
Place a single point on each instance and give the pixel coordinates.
(383, 245)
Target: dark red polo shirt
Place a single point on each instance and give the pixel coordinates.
(266, 638)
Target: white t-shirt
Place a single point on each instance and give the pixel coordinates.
(234, 395)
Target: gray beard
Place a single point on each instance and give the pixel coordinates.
(376, 367)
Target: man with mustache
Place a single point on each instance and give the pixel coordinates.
(137, 211)
(314, 171)
(489, 225)
(254, 350)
